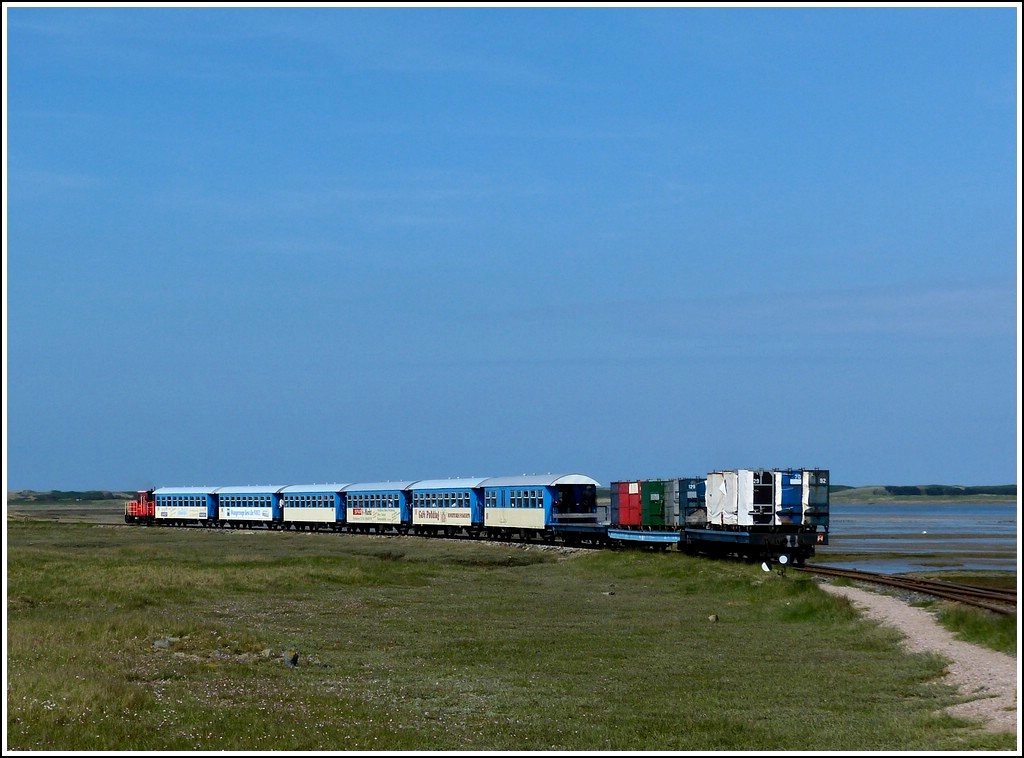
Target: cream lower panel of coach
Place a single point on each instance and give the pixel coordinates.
(181, 511)
(514, 518)
(246, 513)
(442, 516)
(374, 515)
(318, 515)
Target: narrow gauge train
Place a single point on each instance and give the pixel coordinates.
(753, 513)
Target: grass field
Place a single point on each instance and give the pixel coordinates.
(133, 638)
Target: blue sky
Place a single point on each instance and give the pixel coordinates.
(290, 245)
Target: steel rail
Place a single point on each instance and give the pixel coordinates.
(995, 600)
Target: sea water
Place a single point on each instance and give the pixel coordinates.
(904, 537)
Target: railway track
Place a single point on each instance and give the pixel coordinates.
(995, 600)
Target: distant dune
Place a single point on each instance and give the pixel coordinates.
(931, 493)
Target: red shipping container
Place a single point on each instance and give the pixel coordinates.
(627, 495)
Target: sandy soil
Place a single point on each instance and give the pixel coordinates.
(988, 678)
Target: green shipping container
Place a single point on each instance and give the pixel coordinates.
(652, 495)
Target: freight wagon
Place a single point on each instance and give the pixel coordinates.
(748, 513)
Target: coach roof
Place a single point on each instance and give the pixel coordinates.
(539, 480)
(448, 484)
(377, 486)
(329, 487)
(184, 490)
(250, 489)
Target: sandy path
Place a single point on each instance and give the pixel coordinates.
(988, 677)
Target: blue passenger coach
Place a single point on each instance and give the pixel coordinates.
(377, 506)
(311, 506)
(179, 506)
(544, 505)
(448, 506)
(244, 506)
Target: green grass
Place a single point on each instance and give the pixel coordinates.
(131, 638)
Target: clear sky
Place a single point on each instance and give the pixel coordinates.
(274, 245)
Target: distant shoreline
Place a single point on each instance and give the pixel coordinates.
(841, 498)
(894, 495)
